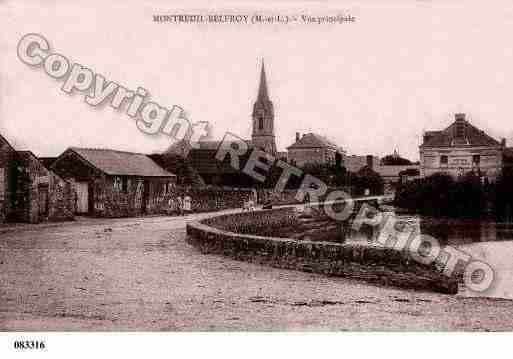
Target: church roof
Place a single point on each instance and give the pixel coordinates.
(202, 156)
(313, 140)
(470, 136)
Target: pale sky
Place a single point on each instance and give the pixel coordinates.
(371, 86)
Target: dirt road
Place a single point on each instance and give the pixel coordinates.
(140, 274)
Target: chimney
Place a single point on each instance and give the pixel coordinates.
(298, 136)
(459, 117)
(426, 137)
(460, 125)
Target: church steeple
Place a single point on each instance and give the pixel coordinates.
(263, 117)
(262, 87)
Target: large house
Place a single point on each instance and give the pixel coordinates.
(313, 148)
(459, 149)
(30, 192)
(112, 183)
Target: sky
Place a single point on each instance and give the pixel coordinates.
(371, 86)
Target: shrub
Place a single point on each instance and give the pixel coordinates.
(440, 194)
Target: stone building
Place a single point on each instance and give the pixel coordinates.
(461, 148)
(9, 164)
(30, 192)
(354, 163)
(49, 197)
(391, 174)
(111, 183)
(312, 148)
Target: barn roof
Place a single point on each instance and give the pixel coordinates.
(121, 163)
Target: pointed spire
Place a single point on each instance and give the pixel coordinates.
(262, 88)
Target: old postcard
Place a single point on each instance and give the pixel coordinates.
(274, 166)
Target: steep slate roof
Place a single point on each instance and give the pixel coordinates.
(120, 163)
(312, 140)
(203, 157)
(447, 138)
(200, 145)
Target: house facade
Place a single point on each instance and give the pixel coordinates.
(461, 148)
(111, 183)
(312, 148)
(30, 192)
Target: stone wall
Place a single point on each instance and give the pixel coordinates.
(203, 199)
(374, 264)
(161, 198)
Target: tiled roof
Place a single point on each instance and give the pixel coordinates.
(446, 138)
(312, 140)
(120, 163)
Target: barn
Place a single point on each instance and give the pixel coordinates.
(111, 183)
(29, 191)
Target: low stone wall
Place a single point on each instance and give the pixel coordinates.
(374, 264)
(288, 196)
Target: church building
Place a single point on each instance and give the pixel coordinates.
(263, 118)
(201, 157)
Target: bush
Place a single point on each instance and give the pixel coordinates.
(440, 194)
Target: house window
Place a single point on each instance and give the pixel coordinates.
(444, 160)
(476, 159)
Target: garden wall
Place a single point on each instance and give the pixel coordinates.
(374, 264)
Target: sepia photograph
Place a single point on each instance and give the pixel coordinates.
(218, 176)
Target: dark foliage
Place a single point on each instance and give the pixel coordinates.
(441, 195)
